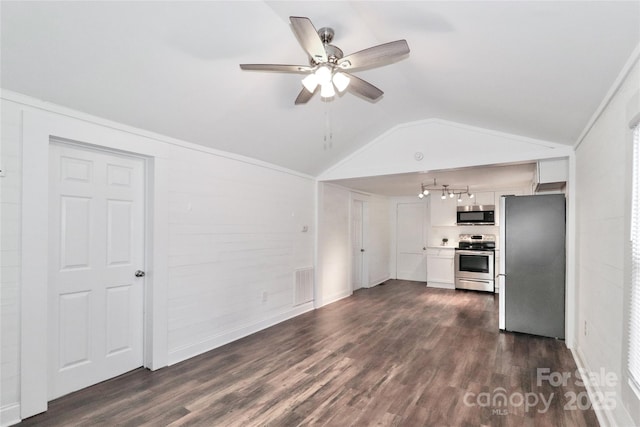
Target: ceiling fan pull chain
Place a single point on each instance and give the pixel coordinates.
(328, 132)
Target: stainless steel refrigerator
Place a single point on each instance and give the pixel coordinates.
(532, 264)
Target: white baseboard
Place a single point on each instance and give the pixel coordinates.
(189, 351)
(336, 297)
(379, 281)
(10, 415)
(606, 418)
(441, 285)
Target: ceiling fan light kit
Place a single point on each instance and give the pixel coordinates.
(328, 66)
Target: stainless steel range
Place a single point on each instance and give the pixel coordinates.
(474, 262)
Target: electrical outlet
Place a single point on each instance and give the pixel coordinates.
(265, 296)
(585, 328)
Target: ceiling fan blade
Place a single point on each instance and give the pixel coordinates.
(375, 55)
(304, 96)
(309, 38)
(364, 88)
(277, 67)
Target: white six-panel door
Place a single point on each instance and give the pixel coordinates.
(411, 261)
(96, 223)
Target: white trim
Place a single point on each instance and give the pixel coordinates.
(33, 289)
(38, 129)
(79, 115)
(156, 291)
(380, 281)
(622, 76)
(316, 249)
(571, 303)
(337, 297)
(210, 343)
(10, 415)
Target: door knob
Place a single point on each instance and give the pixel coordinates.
(361, 250)
(139, 273)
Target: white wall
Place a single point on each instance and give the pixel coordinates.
(234, 231)
(334, 241)
(334, 244)
(603, 186)
(443, 145)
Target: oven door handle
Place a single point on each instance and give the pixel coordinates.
(481, 253)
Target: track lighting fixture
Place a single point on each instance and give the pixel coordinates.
(425, 189)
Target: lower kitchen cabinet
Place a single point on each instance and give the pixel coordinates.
(440, 268)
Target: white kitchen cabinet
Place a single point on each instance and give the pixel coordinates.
(440, 268)
(443, 212)
(551, 175)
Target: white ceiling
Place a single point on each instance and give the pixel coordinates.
(537, 69)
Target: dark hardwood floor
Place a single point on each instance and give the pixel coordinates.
(397, 354)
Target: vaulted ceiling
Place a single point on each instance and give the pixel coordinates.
(537, 69)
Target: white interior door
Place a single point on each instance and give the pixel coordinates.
(96, 224)
(411, 261)
(357, 244)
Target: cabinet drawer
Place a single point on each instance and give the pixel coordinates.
(440, 253)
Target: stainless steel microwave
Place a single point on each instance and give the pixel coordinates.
(476, 215)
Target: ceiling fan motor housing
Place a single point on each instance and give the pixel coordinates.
(326, 34)
(334, 53)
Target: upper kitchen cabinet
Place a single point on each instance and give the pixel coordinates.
(551, 175)
(443, 211)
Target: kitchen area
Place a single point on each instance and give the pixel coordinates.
(497, 230)
(471, 221)
(509, 242)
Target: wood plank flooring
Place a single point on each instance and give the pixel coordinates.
(397, 354)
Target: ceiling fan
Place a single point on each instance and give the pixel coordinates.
(328, 66)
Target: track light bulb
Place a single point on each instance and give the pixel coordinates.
(444, 196)
(421, 195)
(460, 197)
(471, 195)
(425, 192)
(451, 195)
